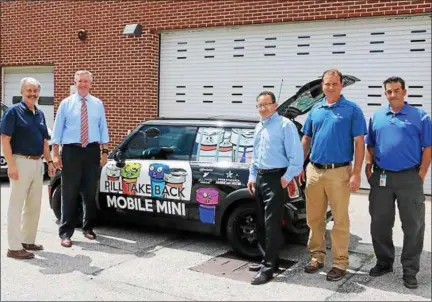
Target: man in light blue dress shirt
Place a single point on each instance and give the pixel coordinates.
(81, 128)
(277, 159)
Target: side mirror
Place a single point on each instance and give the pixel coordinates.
(120, 159)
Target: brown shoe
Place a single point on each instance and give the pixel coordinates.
(66, 242)
(20, 254)
(335, 274)
(89, 235)
(313, 266)
(32, 246)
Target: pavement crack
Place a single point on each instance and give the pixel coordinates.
(348, 278)
(152, 289)
(142, 253)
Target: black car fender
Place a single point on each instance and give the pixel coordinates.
(230, 202)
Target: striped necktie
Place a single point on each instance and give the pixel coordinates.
(84, 123)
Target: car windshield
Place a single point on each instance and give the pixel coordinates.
(305, 101)
(3, 110)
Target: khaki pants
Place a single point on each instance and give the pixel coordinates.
(25, 202)
(323, 188)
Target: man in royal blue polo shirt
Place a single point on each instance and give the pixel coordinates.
(399, 151)
(24, 137)
(334, 131)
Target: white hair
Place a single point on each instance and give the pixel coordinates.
(80, 73)
(29, 80)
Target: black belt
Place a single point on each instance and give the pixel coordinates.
(268, 171)
(93, 144)
(378, 168)
(330, 166)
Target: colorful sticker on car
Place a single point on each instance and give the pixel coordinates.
(219, 144)
(207, 198)
(169, 180)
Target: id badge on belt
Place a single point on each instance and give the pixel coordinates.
(383, 179)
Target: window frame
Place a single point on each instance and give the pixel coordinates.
(124, 145)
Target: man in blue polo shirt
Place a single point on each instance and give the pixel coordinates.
(24, 137)
(334, 131)
(399, 151)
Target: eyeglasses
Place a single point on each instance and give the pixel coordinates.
(263, 105)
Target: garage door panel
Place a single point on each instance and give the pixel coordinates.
(208, 72)
(44, 74)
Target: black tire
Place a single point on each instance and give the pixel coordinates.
(241, 231)
(56, 206)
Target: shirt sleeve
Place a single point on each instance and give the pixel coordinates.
(307, 127)
(8, 122)
(358, 123)
(45, 130)
(253, 169)
(294, 151)
(370, 137)
(59, 123)
(103, 127)
(426, 130)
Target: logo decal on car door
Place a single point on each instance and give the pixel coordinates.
(170, 180)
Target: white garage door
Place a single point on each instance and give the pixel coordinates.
(219, 71)
(44, 74)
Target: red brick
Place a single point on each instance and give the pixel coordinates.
(126, 68)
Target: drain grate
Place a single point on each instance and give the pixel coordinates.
(229, 265)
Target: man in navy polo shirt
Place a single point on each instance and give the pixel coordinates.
(399, 151)
(334, 131)
(24, 137)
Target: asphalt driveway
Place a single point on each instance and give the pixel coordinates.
(138, 263)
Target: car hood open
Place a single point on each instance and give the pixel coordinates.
(307, 96)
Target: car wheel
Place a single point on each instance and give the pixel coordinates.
(241, 231)
(56, 206)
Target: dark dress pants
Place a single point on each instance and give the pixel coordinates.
(80, 174)
(407, 188)
(271, 198)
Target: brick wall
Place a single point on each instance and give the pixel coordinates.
(126, 68)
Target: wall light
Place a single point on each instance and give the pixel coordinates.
(132, 30)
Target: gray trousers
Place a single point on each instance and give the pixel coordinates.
(407, 188)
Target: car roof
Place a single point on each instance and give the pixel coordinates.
(216, 121)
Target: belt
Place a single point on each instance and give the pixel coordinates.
(330, 166)
(378, 168)
(269, 171)
(80, 145)
(34, 157)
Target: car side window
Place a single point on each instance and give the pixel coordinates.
(223, 144)
(161, 142)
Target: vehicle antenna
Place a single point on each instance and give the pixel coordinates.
(280, 90)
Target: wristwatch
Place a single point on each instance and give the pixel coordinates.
(105, 151)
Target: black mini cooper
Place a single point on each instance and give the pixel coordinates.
(191, 174)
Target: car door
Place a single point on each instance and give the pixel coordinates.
(220, 161)
(153, 177)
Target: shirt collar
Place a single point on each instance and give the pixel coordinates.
(270, 118)
(79, 97)
(340, 102)
(24, 106)
(404, 109)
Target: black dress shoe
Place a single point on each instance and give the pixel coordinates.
(261, 278)
(255, 267)
(379, 270)
(89, 235)
(410, 282)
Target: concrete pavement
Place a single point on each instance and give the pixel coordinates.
(138, 263)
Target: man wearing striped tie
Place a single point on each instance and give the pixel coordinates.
(80, 127)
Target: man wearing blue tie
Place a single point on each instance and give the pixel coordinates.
(277, 159)
(81, 128)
